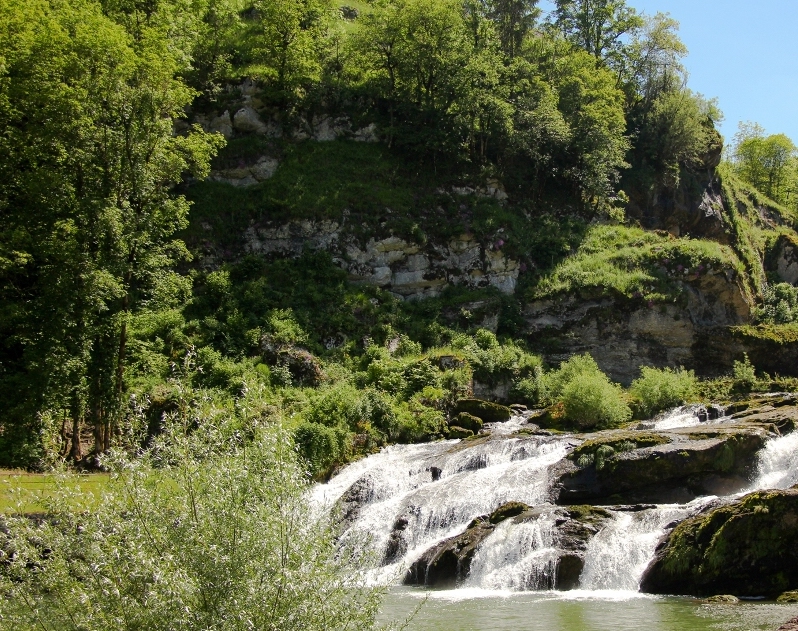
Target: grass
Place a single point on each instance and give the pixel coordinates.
(634, 263)
(22, 492)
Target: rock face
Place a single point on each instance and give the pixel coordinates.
(406, 269)
(746, 548)
(621, 338)
(634, 466)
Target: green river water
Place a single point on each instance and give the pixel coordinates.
(467, 610)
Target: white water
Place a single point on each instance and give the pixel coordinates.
(519, 557)
(476, 478)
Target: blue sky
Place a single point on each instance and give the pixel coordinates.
(742, 52)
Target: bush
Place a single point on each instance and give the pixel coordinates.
(587, 395)
(213, 533)
(657, 390)
(592, 401)
(744, 373)
(322, 447)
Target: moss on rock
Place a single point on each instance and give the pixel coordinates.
(468, 421)
(486, 410)
(459, 432)
(749, 547)
(505, 511)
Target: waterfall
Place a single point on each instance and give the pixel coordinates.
(408, 498)
(433, 491)
(617, 556)
(777, 466)
(516, 557)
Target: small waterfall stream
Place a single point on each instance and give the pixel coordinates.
(407, 498)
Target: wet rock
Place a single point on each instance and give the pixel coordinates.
(790, 625)
(631, 466)
(449, 562)
(459, 432)
(747, 548)
(788, 597)
(487, 411)
(435, 472)
(505, 511)
(723, 599)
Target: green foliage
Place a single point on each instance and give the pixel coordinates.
(780, 305)
(658, 389)
(768, 163)
(591, 400)
(635, 263)
(207, 531)
(744, 373)
(588, 397)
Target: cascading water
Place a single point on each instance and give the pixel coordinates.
(778, 464)
(617, 556)
(408, 498)
(433, 491)
(518, 557)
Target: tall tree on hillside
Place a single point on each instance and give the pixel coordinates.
(768, 163)
(88, 212)
(597, 26)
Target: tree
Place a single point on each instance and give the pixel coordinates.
(211, 529)
(598, 26)
(288, 36)
(86, 192)
(768, 163)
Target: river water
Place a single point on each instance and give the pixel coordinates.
(435, 489)
(474, 610)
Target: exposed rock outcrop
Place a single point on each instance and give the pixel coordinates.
(622, 337)
(746, 548)
(406, 269)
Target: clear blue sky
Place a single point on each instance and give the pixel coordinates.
(742, 52)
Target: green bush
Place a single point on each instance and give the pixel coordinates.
(657, 390)
(592, 401)
(206, 534)
(322, 447)
(744, 373)
(588, 397)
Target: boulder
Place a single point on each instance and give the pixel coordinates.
(468, 421)
(459, 432)
(222, 125)
(487, 411)
(747, 548)
(632, 466)
(505, 511)
(247, 120)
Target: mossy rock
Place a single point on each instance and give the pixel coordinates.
(505, 511)
(468, 421)
(723, 599)
(459, 432)
(620, 439)
(788, 597)
(748, 547)
(486, 410)
(586, 513)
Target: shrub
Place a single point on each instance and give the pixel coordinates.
(744, 373)
(322, 447)
(212, 533)
(587, 395)
(657, 390)
(590, 400)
